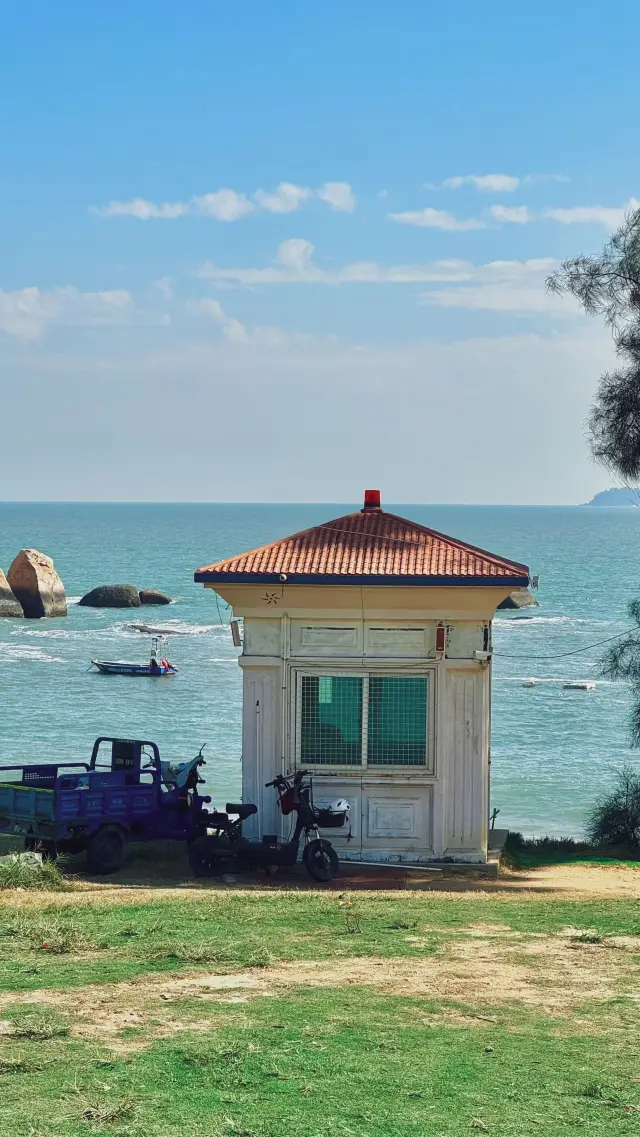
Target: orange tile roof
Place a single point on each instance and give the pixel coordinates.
(369, 547)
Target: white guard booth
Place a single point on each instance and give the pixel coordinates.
(366, 659)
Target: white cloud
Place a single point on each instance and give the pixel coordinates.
(294, 264)
(295, 254)
(27, 312)
(609, 216)
(339, 195)
(164, 287)
(263, 335)
(232, 329)
(286, 198)
(493, 183)
(519, 214)
(516, 287)
(229, 205)
(143, 210)
(224, 205)
(437, 219)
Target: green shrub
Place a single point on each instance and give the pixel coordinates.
(18, 872)
(615, 820)
(516, 843)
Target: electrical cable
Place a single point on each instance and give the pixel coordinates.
(576, 651)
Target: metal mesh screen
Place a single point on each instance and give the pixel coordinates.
(331, 720)
(397, 721)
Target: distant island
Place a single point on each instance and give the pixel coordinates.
(616, 497)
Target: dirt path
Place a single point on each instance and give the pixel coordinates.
(481, 968)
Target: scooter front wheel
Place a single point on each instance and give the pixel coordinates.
(205, 859)
(320, 860)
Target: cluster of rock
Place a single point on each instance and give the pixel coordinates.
(522, 598)
(122, 596)
(33, 589)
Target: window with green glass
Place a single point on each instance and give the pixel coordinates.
(397, 720)
(331, 720)
(370, 720)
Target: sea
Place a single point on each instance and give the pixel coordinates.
(554, 751)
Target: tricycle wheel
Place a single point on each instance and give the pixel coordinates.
(204, 858)
(320, 860)
(47, 849)
(106, 850)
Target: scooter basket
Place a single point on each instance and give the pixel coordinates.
(288, 800)
(327, 819)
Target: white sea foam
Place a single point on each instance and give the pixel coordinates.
(178, 628)
(58, 633)
(130, 631)
(522, 621)
(26, 653)
(547, 679)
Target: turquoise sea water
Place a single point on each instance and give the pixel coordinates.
(552, 750)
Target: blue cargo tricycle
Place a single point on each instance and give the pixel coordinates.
(123, 794)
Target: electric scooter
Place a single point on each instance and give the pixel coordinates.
(224, 849)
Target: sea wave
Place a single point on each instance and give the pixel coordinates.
(57, 633)
(124, 629)
(519, 621)
(178, 628)
(26, 653)
(553, 679)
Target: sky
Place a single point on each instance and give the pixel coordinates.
(281, 252)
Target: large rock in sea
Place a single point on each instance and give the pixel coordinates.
(36, 585)
(112, 596)
(9, 606)
(522, 598)
(152, 596)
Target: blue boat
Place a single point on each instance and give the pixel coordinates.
(120, 667)
(154, 667)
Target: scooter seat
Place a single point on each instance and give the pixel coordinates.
(242, 811)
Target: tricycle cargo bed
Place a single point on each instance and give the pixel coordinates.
(25, 803)
(27, 793)
(123, 793)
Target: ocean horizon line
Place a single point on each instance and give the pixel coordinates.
(247, 501)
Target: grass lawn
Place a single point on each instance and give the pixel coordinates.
(314, 1014)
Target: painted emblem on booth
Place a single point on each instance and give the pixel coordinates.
(271, 598)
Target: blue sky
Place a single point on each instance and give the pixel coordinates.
(276, 252)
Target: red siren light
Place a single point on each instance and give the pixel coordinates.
(371, 499)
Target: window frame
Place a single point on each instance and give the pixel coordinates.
(426, 769)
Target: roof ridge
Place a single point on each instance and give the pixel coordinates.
(410, 550)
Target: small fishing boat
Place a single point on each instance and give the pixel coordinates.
(579, 685)
(156, 666)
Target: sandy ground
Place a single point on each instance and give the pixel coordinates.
(482, 968)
